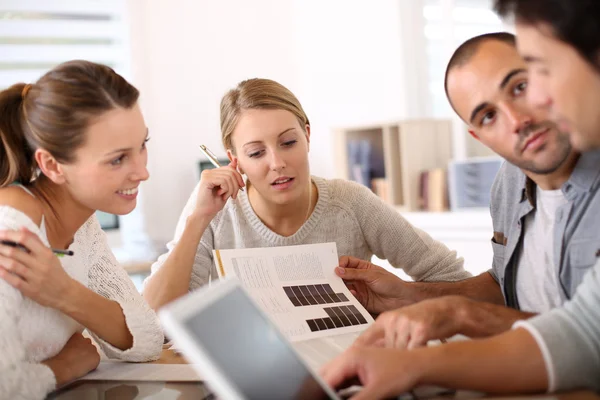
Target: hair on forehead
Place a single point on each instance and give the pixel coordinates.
(574, 22)
(463, 54)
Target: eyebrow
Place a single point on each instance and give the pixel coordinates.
(502, 85)
(259, 141)
(509, 76)
(125, 149)
(477, 110)
(530, 59)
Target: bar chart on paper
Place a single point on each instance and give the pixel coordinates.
(306, 295)
(297, 287)
(338, 317)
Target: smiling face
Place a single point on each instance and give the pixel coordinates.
(111, 164)
(272, 150)
(563, 83)
(489, 93)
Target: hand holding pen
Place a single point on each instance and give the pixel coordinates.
(37, 273)
(217, 185)
(213, 159)
(58, 252)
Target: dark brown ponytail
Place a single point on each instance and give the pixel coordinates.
(15, 155)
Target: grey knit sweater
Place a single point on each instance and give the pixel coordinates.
(346, 213)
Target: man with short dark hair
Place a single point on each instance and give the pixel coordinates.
(539, 199)
(557, 350)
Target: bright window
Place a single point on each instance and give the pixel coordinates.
(448, 23)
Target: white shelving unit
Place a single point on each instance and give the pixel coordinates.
(407, 148)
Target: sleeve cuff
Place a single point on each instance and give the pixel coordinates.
(42, 380)
(571, 360)
(543, 348)
(147, 337)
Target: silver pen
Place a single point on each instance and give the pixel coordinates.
(212, 158)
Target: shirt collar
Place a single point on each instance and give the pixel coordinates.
(585, 177)
(586, 173)
(528, 191)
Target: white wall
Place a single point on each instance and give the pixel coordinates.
(350, 67)
(343, 59)
(187, 53)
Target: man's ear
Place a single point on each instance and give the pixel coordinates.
(233, 157)
(472, 133)
(49, 166)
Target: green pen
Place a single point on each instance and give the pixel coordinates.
(58, 252)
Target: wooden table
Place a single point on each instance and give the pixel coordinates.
(136, 390)
(170, 357)
(196, 390)
(578, 395)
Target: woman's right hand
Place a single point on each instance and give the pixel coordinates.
(216, 187)
(77, 358)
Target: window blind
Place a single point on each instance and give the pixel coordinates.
(37, 35)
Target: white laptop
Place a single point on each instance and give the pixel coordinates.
(236, 349)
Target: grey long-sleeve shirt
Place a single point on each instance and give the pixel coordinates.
(569, 337)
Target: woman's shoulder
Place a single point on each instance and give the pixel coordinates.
(345, 190)
(91, 228)
(19, 202)
(355, 198)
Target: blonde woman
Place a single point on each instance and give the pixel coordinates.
(267, 137)
(71, 143)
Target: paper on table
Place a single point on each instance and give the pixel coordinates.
(122, 371)
(318, 352)
(297, 287)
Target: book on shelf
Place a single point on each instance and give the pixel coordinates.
(433, 190)
(423, 190)
(359, 159)
(380, 187)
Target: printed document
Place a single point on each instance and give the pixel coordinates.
(297, 287)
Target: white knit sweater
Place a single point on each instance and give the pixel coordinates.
(31, 333)
(346, 213)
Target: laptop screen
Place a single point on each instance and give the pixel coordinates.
(250, 351)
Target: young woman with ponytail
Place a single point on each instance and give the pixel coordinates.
(71, 143)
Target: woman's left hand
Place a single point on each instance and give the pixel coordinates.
(37, 274)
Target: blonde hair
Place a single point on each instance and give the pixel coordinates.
(256, 94)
